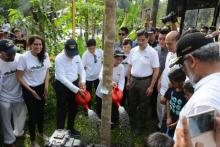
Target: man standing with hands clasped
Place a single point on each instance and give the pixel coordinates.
(143, 68)
(68, 65)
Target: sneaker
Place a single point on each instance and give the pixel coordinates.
(74, 133)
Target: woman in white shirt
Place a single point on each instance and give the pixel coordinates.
(33, 74)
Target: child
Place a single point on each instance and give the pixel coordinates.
(188, 90)
(92, 62)
(175, 99)
(118, 79)
(126, 47)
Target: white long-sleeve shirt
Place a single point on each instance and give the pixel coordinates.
(67, 70)
(118, 77)
(92, 66)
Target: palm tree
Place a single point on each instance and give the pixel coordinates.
(109, 31)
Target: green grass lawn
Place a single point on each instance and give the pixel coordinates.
(89, 132)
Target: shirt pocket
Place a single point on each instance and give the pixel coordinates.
(145, 60)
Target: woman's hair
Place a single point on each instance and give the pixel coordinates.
(41, 56)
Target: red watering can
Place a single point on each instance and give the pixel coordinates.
(83, 101)
(117, 96)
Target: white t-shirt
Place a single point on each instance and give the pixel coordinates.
(10, 89)
(68, 69)
(206, 96)
(92, 66)
(34, 71)
(118, 77)
(143, 62)
(164, 77)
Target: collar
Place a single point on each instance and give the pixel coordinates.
(205, 80)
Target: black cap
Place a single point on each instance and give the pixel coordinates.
(190, 43)
(71, 48)
(7, 46)
(118, 53)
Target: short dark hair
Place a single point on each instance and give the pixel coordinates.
(142, 32)
(125, 29)
(177, 75)
(90, 42)
(127, 41)
(188, 87)
(158, 139)
(205, 27)
(164, 31)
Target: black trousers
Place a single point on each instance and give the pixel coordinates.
(35, 110)
(66, 105)
(90, 85)
(115, 113)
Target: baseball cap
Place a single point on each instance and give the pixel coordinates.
(71, 48)
(190, 43)
(118, 53)
(7, 46)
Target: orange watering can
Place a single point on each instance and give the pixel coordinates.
(117, 96)
(83, 101)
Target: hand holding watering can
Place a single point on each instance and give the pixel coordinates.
(83, 97)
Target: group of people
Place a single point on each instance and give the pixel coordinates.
(162, 68)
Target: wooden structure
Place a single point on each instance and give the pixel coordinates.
(181, 6)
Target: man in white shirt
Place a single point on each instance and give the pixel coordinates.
(68, 65)
(170, 41)
(11, 100)
(143, 67)
(92, 62)
(199, 58)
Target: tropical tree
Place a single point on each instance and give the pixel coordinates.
(109, 31)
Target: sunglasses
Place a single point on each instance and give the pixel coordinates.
(121, 34)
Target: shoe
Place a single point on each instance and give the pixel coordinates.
(74, 133)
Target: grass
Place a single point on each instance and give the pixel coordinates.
(121, 137)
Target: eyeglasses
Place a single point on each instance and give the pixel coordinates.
(95, 58)
(121, 34)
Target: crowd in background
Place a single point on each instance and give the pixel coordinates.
(141, 69)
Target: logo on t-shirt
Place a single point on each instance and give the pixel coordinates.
(9, 73)
(37, 68)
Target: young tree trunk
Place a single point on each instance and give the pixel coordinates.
(109, 31)
(154, 11)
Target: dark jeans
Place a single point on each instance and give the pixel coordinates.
(35, 109)
(139, 103)
(115, 113)
(66, 104)
(91, 86)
